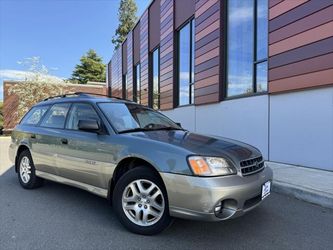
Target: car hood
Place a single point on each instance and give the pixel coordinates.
(202, 144)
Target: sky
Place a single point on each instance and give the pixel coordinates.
(57, 31)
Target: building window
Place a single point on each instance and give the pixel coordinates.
(125, 89)
(247, 47)
(186, 64)
(155, 96)
(137, 87)
(129, 90)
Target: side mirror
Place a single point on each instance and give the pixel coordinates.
(179, 124)
(89, 126)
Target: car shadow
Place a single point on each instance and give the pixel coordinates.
(100, 209)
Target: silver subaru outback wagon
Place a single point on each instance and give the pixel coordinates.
(148, 166)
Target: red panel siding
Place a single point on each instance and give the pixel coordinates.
(184, 10)
(301, 45)
(144, 49)
(207, 51)
(136, 44)
(116, 74)
(129, 88)
(154, 24)
(166, 55)
(124, 57)
(109, 74)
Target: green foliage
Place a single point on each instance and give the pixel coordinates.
(91, 68)
(127, 18)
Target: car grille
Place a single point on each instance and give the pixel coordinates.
(252, 166)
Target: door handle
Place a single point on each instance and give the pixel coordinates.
(64, 141)
(33, 136)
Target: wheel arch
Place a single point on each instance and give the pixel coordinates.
(127, 164)
(20, 149)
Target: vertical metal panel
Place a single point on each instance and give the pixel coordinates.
(154, 25)
(124, 56)
(144, 51)
(167, 48)
(116, 73)
(129, 87)
(136, 44)
(184, 10)
(207, 52)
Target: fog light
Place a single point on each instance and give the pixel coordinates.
(217, 208)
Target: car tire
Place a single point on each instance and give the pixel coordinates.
(26, 171)
(145, 212)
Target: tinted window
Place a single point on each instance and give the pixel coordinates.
(56, 116)
(81, 111)
(34, 115)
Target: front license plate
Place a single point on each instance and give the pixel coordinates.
(265, 190)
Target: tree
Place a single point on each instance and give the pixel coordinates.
(127, 18)
(91, 68)
(38, 85)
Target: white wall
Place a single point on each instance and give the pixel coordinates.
(294, 128)
(244, 119)
(184, 115)
(301, 128)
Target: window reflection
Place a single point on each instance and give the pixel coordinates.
(186, 64)
(240, 47)
(138, 83)
(247, 53)
(261, 77)
(156, 79)
(262, 26)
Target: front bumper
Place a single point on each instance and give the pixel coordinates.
(192, 197)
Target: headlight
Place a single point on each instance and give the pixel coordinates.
(210, 166)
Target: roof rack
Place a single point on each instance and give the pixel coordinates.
(60, 96)
(83, 94)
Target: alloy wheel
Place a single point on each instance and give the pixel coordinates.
(25, 169)
(143, 202)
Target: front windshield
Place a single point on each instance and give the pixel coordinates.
(127, 117)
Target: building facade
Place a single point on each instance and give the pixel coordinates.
(258, 71)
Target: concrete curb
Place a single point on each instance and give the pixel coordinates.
(309, 195)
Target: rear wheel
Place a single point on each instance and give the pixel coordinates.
(27, 172)
(141, 203)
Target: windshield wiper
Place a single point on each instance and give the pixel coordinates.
(134, 130)
(167, 128)
(148, 129)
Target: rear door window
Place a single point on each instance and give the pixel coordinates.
(56, 117)
(34, 115)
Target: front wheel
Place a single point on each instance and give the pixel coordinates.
(27, 172)
(141, 203)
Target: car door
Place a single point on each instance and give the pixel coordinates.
(84, 156)
(49, 137)
(33, 135)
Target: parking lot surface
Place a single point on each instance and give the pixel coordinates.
(56, 216)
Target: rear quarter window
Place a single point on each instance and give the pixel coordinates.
(34, 115)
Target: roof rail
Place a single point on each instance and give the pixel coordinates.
(90, 94)
(60, 96)
(83, 94)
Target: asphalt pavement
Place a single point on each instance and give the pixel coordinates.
(56, 216)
